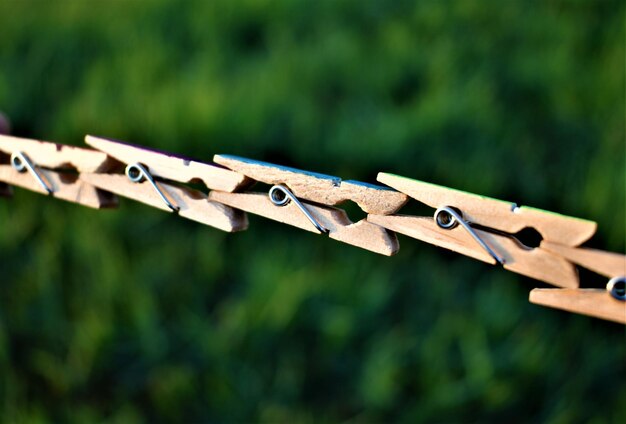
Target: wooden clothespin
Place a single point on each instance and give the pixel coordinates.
(147, 172)
(51, 168)
(305, 200)
(488, 230)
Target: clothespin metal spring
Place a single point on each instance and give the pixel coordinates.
(21, 163)
(281, 196)
(448, 218)
(137, 172)
(617, 287)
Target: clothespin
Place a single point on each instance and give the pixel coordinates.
(52, 169)
(487, 230)
(306, 200)
(148, 179)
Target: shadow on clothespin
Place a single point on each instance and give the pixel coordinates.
(488, 229)
(53, 169)
(306, 200)
(150, 177)
(5, 128)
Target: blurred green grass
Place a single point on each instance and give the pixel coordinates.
(134, 315)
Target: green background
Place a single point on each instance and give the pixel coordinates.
(136, 315)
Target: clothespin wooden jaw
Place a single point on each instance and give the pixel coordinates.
(151, 177)
(496, 214)
(596, 303)
(316, 195)
(169, 166)
(319, 188)
(51, 168)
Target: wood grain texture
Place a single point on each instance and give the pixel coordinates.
(65, 187)
(496, 214)
(425, 229)
(193, 204)
(596, 303)
(361, 234)
(56, 156)
(604, 263)
(319, 188)
(535, 263)
(170, 166)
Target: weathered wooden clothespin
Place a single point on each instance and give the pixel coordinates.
(53, 169)
(306, 200)
(488, 228)
(150, 178)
